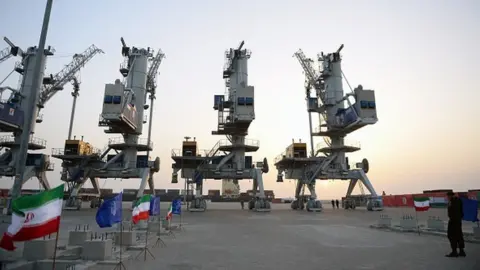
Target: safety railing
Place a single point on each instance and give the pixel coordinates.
(120, 140)
(33, 140)
(200, 152)
(58, 151)
(247, 142)
(61, 151)
(176, 153)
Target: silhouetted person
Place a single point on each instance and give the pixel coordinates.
(242, 203)
(454, 231)
(337, 203)
(333, 204)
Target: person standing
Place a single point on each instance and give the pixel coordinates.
(454, 231)
(333, 204)
(337, 203)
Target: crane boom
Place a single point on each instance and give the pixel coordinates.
(67, 74)
(153, 71)
(311, 74)
(5, 54)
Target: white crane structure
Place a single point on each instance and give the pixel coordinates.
(124, 104)
(227, 160)
(336, 121)
(13, 116)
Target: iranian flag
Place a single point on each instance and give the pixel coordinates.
(33, 217)
(141, 210)
(169, 213)
(421, 204)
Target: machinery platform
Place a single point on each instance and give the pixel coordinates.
(342, 130)
(249, 146)
(296, 163)
(119, 144)
(346, 147)
(239, 127)
(34, 143)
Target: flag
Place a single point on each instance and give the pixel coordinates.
(177, 207)
(110, 212)
(169, 213)
(33, 217)
(141, 209)
(421, 204)
(155, 206)
(470, 210)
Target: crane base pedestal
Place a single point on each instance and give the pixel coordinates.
(198, 205)
(314, 206)
(259, 205)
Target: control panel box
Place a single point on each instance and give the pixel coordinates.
(244, 108)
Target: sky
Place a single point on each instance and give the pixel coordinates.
(420, 57)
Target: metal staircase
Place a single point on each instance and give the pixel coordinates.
(319, 167)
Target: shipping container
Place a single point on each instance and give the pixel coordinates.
(160, 191)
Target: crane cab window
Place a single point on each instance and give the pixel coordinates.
(241, 101)
(108, 99)
(117, 99)
(249, 101)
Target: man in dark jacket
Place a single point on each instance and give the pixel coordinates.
(454, 231)
(333, 204)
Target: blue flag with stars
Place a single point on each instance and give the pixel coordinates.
(110, 212)
(177, 207)
(155, 206)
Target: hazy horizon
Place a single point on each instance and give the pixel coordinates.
(421, 58)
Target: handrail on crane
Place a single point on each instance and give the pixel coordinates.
(67, 74)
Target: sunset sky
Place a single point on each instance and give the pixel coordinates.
(420, 57)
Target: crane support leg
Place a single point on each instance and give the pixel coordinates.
(27, 175)
(198, 204)
(42, 178)
(298, 203)
(313, 205)
(259, 203)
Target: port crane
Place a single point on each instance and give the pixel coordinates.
(124, 103)
(226, 159)
(12, 110)
(325, 97)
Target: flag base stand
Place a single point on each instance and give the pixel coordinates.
(159, 242)
(120, 266)
(145, 251)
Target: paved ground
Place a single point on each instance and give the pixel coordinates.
(286, 239)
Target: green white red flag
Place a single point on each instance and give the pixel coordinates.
(421, 204)
(33, 217)
(141, 210)
(169, 213)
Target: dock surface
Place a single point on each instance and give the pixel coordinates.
(225, 237)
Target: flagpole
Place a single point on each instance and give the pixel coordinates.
(416, 220)
(56, 245)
